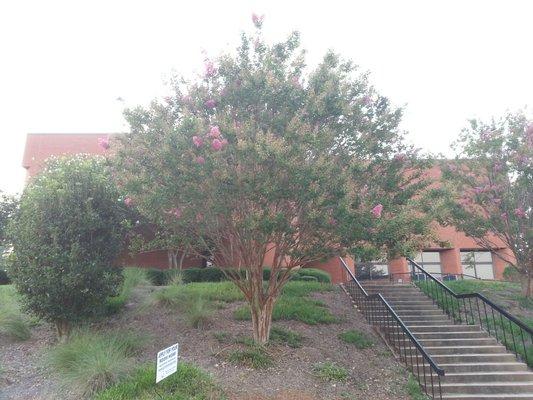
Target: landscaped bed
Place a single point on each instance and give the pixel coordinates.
(312, 354)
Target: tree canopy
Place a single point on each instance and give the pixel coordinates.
(489, 188)
(259, 159)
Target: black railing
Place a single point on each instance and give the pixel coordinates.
(474, 308)
(397, 276)
(379, 313)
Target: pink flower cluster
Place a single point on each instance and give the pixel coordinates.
(210, 104)
(210, 69)
(377, 210)
(128, 201)
(103, 143)
(217, 142)
(520, 213)
(257, 20)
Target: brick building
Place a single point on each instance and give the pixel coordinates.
(463, 257)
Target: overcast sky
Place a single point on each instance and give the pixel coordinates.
(63, 64)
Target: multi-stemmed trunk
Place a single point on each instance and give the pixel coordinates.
(262, 319)
(63, 329)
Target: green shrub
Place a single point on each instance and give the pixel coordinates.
(319, 275)
(357, 338)
(330, 372)
(188, 383)
(13, 323)
(212, 274)
(254, 357)
(299, 289)
(158, 277)
(90, 362)
(203, 275)
(4, 279)
(66, 235)
(285, 336)
(305, 278)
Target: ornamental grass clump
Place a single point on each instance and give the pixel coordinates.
(90, 361)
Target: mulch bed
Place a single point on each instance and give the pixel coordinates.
(374, 373)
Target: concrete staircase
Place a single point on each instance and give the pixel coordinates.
(476, 365)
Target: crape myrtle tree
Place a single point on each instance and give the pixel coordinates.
(490, 189)
(255, 159)
(66, 235)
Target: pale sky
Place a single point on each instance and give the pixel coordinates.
(63, 64)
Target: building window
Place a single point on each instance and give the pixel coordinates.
(430, 261)
(477, 264)
(372, 270)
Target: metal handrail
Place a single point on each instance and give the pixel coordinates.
(442, 274)
(446, 301)
(374, 315)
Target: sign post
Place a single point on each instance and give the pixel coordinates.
(167, 362)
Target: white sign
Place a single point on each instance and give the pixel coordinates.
(167, 362)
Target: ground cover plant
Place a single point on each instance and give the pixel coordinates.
(360, 339)
(188, 383)
(330, 372)
(13, 323)
(91, 361)
(253, 356)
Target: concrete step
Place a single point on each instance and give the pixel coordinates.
(488, 388)
(420, 310)
(458, 342)
(504, 367)
(488, 396)
(463, 350)
(446, 328)
(452, 335)
(471, 377)
(473, 358)
(414, 303)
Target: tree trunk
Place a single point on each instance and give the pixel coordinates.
(526, 284)
(172, 259)
(180, 265)
(169, 255)
(262, 320)
(63, 329)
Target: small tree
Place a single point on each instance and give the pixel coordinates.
(8, 208)
(65, 236)
(253, 160)
(490, 189)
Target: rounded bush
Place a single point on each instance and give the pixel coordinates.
(66, 235)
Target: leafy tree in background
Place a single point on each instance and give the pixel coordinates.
(67, 233)
(490, 189)
(8, 207)
(256, 159)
